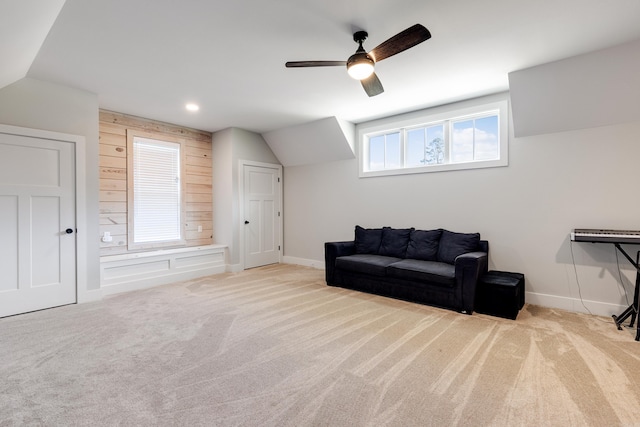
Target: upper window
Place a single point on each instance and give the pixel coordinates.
(156, 207)
(453, 137)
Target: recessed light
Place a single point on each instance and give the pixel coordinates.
(192, 107)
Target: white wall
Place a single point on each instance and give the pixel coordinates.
(36, 104)
(228, 148)
(222, 152)
(595, 89)
(554, 183)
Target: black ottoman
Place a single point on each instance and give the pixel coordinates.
(500, 293)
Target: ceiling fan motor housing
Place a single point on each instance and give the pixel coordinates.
(360, 64)
(359, 57)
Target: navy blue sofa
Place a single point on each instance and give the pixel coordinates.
(433, 267)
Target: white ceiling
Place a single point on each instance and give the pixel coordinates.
(149, 58)
(24, 26)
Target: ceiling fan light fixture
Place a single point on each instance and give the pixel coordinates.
(360, 66)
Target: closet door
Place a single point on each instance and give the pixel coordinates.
(262, 216)
(37, 223)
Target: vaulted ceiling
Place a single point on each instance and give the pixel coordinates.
(149, 58)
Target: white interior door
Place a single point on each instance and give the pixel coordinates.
(37, 224)
(261, 216)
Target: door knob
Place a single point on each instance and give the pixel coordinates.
(246, 222)
(68, 231)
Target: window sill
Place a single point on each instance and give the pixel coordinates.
(437, 168)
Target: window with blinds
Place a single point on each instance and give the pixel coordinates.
(156, 205)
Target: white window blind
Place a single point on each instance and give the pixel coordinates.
(156, 191)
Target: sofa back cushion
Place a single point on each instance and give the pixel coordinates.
(367, 240)
(394, 242)
(454, 244)
(423, 245)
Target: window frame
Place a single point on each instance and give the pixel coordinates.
(431, 117)
(132, 134)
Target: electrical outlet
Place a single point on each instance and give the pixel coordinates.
(199, 229)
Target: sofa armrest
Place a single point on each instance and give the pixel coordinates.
(333, 250)
(469, 268)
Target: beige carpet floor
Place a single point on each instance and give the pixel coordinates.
(275, 346)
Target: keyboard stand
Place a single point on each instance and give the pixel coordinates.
(632, 310)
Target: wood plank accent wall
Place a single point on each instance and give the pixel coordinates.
(113, 179)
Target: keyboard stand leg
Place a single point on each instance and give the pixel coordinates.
(636, 302)
(630, 311)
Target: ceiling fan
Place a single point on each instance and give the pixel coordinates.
(360, 65)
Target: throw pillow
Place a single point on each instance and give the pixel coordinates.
(423, 244)
(367, 240)
(454, 244)
(394, 242)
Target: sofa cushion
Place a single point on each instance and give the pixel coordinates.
(394, 242)
(423, 271)
(423, 244)
(365, 263)
(368, 240)
(454, 244)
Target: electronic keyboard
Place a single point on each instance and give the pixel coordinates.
(605, 236)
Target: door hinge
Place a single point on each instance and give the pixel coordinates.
(278, 179)
(278, 247)
(278, 213)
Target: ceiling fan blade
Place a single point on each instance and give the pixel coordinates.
(372, 85)
(293, 64)
(400, 42)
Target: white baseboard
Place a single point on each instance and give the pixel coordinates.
(304, 262)
(122, 273)
(234, 268)
(544, 300)
(574, 304)
(89, 295)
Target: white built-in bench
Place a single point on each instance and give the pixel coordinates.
(127, 272)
